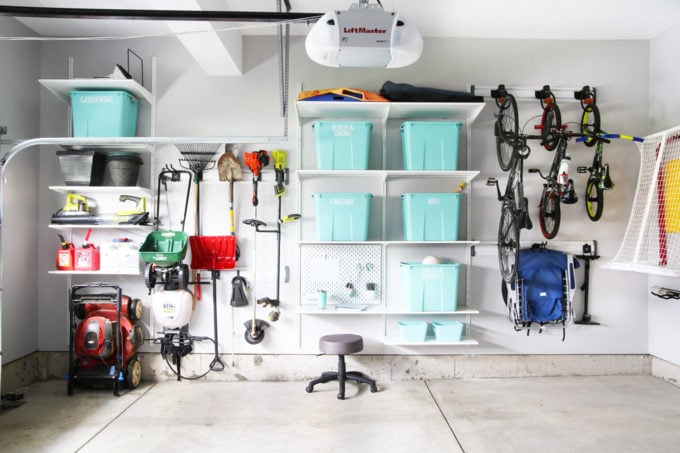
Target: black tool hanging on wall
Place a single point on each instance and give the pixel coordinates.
(589, 254)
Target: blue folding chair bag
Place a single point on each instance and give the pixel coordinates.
(542, 272)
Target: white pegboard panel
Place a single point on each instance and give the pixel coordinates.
(333, 267)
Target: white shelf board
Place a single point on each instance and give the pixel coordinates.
(351, 110)
(419, 243)
(465, 341)
(340, 242)
(131, 190)
(63, 87)
(461, 111)
(117, 226)
(93, 273)
(466, 175)
(309, 309)
(462, 311)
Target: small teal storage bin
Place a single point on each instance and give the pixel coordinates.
(413, 331)
(342, 145)
(429, 287)
(430, 145)
(447, 331)
(430, 216)
(342, 216)
(104, 113)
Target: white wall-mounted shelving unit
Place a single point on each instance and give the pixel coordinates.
(386, 180)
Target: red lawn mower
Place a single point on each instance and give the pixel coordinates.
(106, 340)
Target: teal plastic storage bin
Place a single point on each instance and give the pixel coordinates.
(447, 331)
(342, 145)
(342, 216)
(430, 216)
(104, 114)
(430, 145)
(429, 287)
(412, 331)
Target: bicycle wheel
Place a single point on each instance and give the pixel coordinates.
(508, 244)
(590, 123)
(551, 124)
(594, 199)
(549, 214)
(507, 128)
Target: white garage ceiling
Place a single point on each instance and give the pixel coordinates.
(531, 19)
(217, 46)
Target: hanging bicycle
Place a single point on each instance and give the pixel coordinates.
(506, 128)
(551, 119)
(514, 211)
(599, 178)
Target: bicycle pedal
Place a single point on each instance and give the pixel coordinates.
(582, 170)
(491, 182)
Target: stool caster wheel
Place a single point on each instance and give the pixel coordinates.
(374, 389)
(341, 396)
(309, 389)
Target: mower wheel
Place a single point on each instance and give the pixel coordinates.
(72, 379)
(135, 309)
(133, 373)
(256, 339)
(79, 311)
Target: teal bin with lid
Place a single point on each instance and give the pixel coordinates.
(104, 113)
(430, 216)
(342, 216)
(429, 287)
(342, 145)
(430, 145)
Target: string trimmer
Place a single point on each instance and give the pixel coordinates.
(255, 161)
(255, 327)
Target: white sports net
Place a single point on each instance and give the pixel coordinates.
(652, 240)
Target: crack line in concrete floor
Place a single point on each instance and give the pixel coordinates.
(434, 399)
(116, 417)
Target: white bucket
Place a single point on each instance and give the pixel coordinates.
(172, 309)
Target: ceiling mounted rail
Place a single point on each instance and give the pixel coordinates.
(154, 14)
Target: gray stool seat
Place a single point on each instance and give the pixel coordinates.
(341, 344)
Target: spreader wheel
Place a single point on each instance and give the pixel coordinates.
(149, 275)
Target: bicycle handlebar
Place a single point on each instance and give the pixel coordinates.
(606, 137)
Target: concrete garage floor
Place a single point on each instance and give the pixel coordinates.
(556, 414)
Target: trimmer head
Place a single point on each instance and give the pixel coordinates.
(254, 334)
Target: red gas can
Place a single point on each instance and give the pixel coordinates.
(65, 255)
(87, 258)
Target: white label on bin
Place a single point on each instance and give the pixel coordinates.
(96, 99)
(433, 273)
(433, 201)
(342, 201)
(342, 130)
